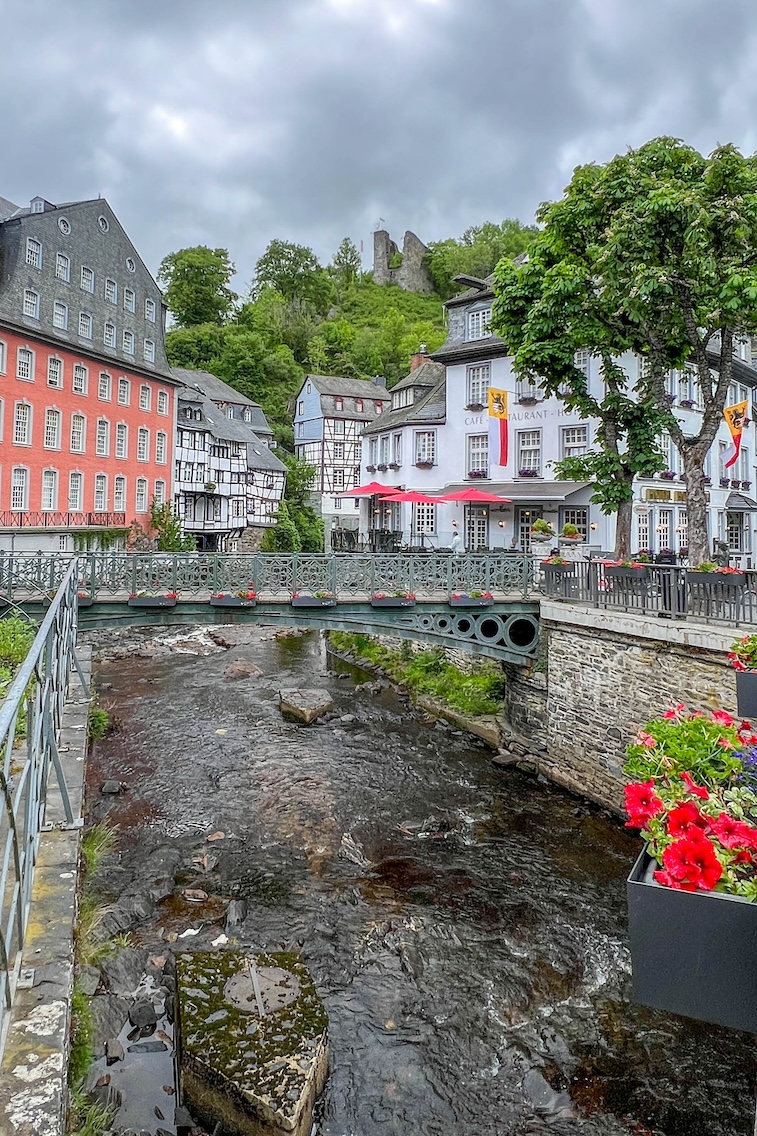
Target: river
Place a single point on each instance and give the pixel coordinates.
(465, 925)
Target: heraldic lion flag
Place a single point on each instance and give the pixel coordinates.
(734, 416)
(498, 424)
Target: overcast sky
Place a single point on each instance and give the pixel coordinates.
(230, 122)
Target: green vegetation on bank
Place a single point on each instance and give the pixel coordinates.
(474, 692)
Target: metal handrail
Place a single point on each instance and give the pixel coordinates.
(40, 688)
(350, 575)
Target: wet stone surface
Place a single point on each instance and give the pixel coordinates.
(465, 926)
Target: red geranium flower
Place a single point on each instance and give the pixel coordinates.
(734, 833)
(723, 718)
(667, 880)
(644, 739)
(675, 711)
(642, 803)
(693, 862)
(692, 787)
(686, 820)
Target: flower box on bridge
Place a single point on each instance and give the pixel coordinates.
(222, 600)
(471, 599)
(622, 572)
(717, 579)
(152, 601)
(692, 952)
(380, 599)
(84, 599)
(313, 601)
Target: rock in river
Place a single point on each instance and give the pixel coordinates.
(305, 705)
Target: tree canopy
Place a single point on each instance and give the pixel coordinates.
(477, 252)
(196, 285)
(295, 273)
(653, 254)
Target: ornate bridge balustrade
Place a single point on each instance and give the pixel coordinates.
(272, 576)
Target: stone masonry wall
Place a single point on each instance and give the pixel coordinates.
(608, 675)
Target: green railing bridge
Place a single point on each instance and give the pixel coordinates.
(113, 588)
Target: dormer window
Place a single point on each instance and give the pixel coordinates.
(338, 404)
(359, 404)
(404, 397)
(379, 407)
(478, 323)
(37, 205)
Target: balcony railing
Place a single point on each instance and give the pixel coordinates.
(660, 590)
(17, 519)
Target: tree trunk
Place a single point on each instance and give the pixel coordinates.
(696, 507)
(623, 530)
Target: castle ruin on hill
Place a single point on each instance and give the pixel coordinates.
(409, 271)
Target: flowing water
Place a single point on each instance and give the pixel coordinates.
(465, 925)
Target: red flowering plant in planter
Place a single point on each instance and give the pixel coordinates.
(695, 800)
(743, 653)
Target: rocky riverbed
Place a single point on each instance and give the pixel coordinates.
(465, 925)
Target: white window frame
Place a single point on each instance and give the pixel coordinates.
(124, 391)
(100, 495)
(145, 397)
(574, 440)
(75, 491)
(529, 450)
(63, 267)
(25, 364)
(122, 440)
(127, 340)
(51, 437)
(33, 252)
(31, 303)
(143, 444)
(478, 324)
(80, 380)
(478, 381)
(110, 335)
(60, 315)
(55, 372)
(159, 494)
(49, 491)
(78, 443)
(161, 447)
(104, 386)
(19, 481)
(424, 520)
(110, 290)
(87, 279)
(130, 300)
(119, 494)
(149, 350)
(150, 310)
(162, 402)
(3, 356)
(22, 424)
(141, 496)
(102, 438)
(477, 453)
(85, 325)
(424, 446)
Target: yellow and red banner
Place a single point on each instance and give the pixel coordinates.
(734, 417)
(498, 427)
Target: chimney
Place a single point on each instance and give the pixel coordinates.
(379, 380)
(419, 358)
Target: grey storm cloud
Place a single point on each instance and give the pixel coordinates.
(230, 122)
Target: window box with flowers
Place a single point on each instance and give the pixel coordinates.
(686, 403)
(558, 566)
(471, 599)
(746, 484)
(84, 599)
(142, 599)
(528, 473)
(709, 575)
(383, 466)
(736, 483)
(243, 598)
(625, 570)
(477, 473)
(424, 463)
(316, 599)
(393, 599)
(394, 465)
(691, 911)
(527, 399)
(371, 468)
(559, 577)
(667, 475)
(725, 482)
(743, 659)
(476, 407)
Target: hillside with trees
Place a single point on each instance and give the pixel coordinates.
(300, 316)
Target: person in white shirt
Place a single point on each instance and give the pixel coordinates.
(457, 544)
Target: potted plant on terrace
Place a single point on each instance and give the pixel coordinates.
(558, 566)
(571, 532)
(691, 893)
(542, 531)
(710, 575)
(474, 598)
(144, 599)
(743, 659)
(245, 597)
(397, 598)
(314, 599)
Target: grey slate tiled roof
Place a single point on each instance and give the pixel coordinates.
(471, 294)
(7, 208)
(340, 386)
(461, 351)
(229, 430)
(219, 391)
(427, 375)
(429, 409)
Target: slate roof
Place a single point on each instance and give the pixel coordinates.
(226, 429)
(461, 351)
(430, 409)
(742, 372)
(740, 503)
(340, 386)
(427, 375)
(471, 294)
(219, 391)
(7, 208)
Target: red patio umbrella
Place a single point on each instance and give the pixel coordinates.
(372, 489)
(474, 496)
(412, 497)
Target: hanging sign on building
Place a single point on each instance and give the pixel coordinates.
(734, 417)
(498, 427)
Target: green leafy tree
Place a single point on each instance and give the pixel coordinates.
(654, 254)
(477, 253)
(196, 282)
(299, 484)
(294, 271)
(346, 265)
(167, 528)
(283, 537)
(195, 347)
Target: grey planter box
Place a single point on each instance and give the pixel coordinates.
(746, 694)
(84, 601)
(625, 573)
(231, 601)
(151, 601)
(312, 601)
(470, 601)
(559, 569)
(392, 601)
(692, 953)
(717, 579)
